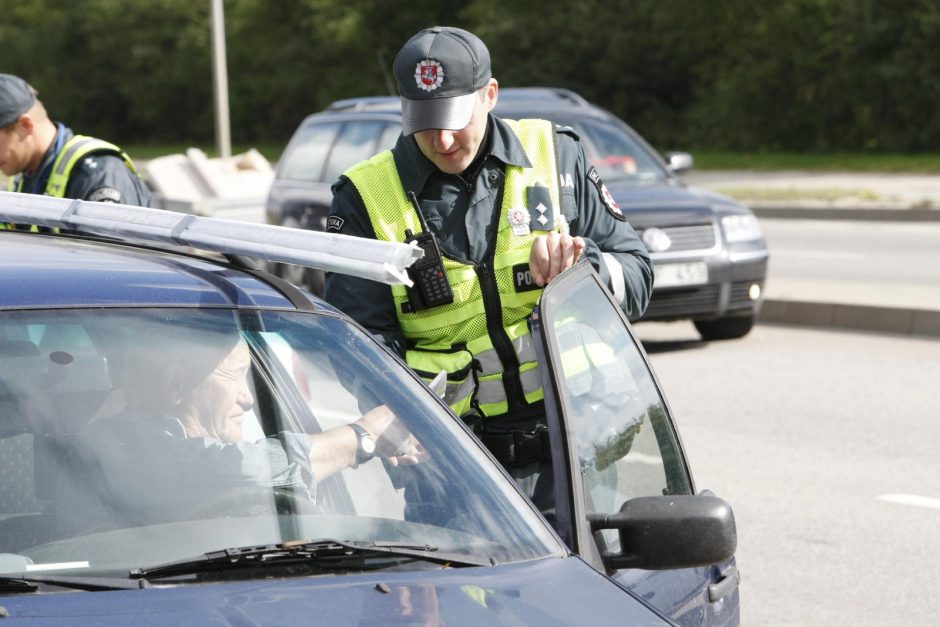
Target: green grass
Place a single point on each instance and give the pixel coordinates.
(704, 159)
(834, 162)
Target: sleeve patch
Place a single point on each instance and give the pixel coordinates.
(612, 207)
(334, 224)
(105, 194)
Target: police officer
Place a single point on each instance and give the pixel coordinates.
(46, 157)
(508, 205)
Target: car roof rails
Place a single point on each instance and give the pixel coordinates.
(367, 258)
(366, 103)
(541, 94)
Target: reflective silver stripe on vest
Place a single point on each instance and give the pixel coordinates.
(491, 391)
(456, 392)
(67, 156)
(489, 360)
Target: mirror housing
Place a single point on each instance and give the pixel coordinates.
(667, 532)
(679, 162)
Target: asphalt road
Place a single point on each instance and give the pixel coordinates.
(827, 444)
(849, 261)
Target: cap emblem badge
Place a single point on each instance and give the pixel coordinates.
(429, 75)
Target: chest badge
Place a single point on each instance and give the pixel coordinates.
(519, 221)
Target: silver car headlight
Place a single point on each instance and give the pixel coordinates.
(740, 228)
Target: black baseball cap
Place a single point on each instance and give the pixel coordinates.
(16, 98)
(439, 71)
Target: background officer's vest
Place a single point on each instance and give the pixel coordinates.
(455, 337)
(74, 150)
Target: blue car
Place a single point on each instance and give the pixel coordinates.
(188, 440)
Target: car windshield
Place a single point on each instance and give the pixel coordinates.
(103, 468)
(617, 152)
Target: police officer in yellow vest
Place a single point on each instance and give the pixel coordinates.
(46, 157)
(501, 208)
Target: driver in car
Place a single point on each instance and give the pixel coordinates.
(178, 446)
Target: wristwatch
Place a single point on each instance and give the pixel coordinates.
(366, 449)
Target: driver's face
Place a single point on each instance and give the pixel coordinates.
(220, 401)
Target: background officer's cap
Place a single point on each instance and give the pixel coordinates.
(439, 71)
(16, 98)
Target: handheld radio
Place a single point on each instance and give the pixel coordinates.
(431, 285)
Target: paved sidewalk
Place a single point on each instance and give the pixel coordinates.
(863, 196)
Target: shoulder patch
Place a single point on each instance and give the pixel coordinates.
(334, 224)
(612, 207)
(105, 194)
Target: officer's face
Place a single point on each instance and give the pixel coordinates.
(453, 151)
(15, 149)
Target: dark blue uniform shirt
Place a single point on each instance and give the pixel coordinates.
(99, 176)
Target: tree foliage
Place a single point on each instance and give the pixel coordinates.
(797, 75)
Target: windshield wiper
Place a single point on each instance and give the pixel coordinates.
(324, 553)
(10, 584)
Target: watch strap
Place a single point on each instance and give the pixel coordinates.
(362, 455)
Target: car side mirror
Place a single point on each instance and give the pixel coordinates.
(667, 532)
(679, 162)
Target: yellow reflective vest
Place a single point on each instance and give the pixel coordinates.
(74, 150)
(482, 339)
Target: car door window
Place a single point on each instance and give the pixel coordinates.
(307, 152)
(356, 142)
(617, 421)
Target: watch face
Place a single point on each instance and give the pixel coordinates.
(366, 444)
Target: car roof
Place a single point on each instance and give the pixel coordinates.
(553, 103)
(105, 254)
(69, 271)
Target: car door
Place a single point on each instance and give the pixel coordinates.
(614, 443)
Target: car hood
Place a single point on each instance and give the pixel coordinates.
(669, 203)
(555, 591)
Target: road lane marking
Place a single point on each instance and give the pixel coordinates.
(815, 254)
(910, 499)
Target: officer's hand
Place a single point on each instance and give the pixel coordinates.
(552, 254)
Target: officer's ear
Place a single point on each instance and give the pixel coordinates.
(22, 126)
(490, 94)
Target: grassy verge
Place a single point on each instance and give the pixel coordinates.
(704, 159)
(834, 162)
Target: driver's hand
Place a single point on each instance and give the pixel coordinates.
(393, 441)
(552, 254)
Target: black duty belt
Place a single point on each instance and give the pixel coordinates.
(518, 448)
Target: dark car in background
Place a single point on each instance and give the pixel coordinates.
(709, 254)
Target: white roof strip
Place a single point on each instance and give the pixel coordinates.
(357, 256)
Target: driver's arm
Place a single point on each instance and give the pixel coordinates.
(335, 450)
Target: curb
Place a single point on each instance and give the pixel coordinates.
(849, 213)
(913, 322)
